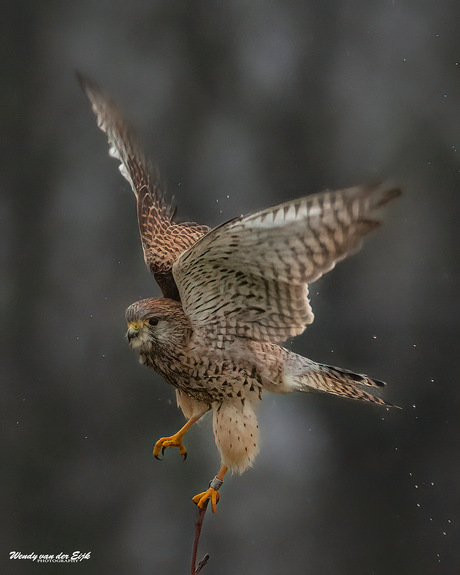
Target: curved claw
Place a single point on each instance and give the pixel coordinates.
(201, 499)
(165, 442)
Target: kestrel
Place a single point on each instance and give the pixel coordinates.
(232, 295)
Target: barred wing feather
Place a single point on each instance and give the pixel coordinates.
(249, 276)
(162, 239)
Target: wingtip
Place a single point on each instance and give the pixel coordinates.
(92, 89)
(83, 80)
(379, 383)
(384, 192)
(390, 194)
(392, 405)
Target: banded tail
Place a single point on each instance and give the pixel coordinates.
(306, 375)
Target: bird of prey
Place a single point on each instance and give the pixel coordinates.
(232, 296)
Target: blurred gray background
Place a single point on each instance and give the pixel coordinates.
(242, 105)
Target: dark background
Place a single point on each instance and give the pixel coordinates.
(242, 105)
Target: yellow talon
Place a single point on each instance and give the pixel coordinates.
(209, 495)
(173, 441)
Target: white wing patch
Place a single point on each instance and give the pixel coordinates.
(249, 277)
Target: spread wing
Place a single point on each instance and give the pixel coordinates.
(162, 239)
(249, 276)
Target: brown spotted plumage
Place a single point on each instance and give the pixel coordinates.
(232, 296)
(163, 240)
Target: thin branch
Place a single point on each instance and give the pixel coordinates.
(201, 512)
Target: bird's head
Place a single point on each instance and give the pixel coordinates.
(157, 325)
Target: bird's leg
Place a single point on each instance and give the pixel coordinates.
(174, 440)
(211, 494)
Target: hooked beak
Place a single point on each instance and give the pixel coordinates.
(133, 330)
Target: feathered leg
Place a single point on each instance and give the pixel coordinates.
(237, 436)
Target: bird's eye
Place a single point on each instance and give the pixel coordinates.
(153, 321)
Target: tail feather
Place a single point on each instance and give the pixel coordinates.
(359, 378)
(337, 381)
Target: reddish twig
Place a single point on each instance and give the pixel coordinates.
(198, 525)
